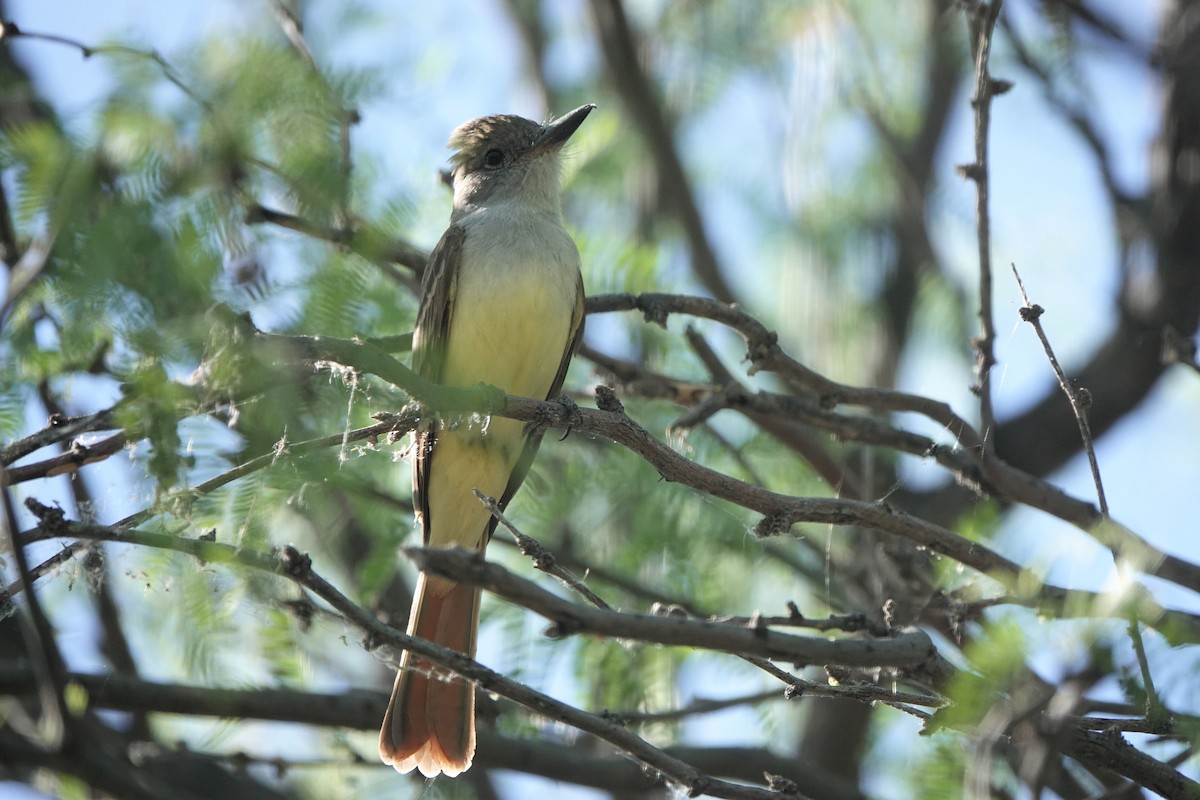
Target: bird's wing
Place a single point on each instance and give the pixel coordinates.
(438, 289)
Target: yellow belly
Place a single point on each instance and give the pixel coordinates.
(510, 328)
(513, 338)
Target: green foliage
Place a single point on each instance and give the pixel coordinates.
(11, 416)
(940, 771)
(152, 412)
(998, 657)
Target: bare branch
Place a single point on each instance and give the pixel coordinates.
(981, 18)
(1109, 751)
(76, 457)
(542, 558)
(910, 649)
(1079, 397)
(58, 429)
(350, 236)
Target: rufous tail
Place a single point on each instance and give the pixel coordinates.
(430, 720)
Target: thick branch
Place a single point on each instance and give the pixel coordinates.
(910, 649)
(362, 710)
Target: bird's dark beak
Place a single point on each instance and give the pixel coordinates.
(555, 134)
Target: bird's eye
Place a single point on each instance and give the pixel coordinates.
(493, 158)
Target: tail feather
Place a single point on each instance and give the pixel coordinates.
(430, 720)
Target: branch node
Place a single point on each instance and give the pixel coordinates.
(668, 610)
(773, 525)
(794, 691)
(760, 347)
(840, 676)
(794, 612)
(52, 518)
(295, 564)
(607, 400)
(758, 625)
(614, 717)
(1030, 313)
(570, 414)
(653, 311)
(778, 783)
(970, 172)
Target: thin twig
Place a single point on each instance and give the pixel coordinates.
(546, 562)
(696, 707)
(866, 692)
(566, 555)
(542, 558)
(348, 235)
(10, 30)
(58, 429)
(295, 567)
(362, 709)
(780, 511)
(804, 443)
(981, 23)
(1079, 398)
(1155, 709)
(76, 457)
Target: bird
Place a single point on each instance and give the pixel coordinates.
(502, 303)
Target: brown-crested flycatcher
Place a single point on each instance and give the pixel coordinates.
(501, 303)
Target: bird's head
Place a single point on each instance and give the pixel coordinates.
(505, 158)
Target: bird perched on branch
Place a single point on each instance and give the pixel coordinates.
(502, 304)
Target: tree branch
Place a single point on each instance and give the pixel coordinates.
(981, 18)
(910, 649)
